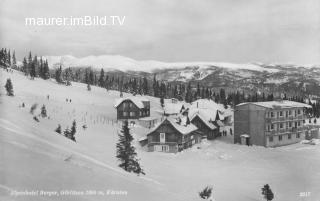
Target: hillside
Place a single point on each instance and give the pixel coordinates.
(251, 77)
(37, 158)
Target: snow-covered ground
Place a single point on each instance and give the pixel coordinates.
(34, 157)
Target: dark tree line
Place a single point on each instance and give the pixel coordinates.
(187, 91)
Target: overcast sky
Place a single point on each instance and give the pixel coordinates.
(240, 31)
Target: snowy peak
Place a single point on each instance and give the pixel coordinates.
(122, 63)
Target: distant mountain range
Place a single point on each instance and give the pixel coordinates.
(252, 77)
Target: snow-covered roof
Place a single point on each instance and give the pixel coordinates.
(148, 118)
(205, 115)
(183, 129)
(138, 101)
(278, 104)
(206, 104)
(245, 135)
(172, 108)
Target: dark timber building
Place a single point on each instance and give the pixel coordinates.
(132, 108)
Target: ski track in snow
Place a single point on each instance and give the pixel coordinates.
(88, 158)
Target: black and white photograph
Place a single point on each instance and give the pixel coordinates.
(159, 100)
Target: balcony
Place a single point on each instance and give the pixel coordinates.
(285, 130)
(284, 118)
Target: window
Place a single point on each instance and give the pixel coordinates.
(268, 127)
(165, 148)
(132, 114)
(286, 113)
(272, 126)
(298, 135)
(272, 115)
(280, 137)
(192, 137)
(270, 139)
(162, 137)
(290, 112)
(281, 125)
(124, 105)
(130, 105)
(281, 114)
(298, 123)
(125, 114)
(289, 136)
(290, 124)
(287, 124)
(299, 111)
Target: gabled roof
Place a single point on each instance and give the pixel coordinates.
(138, 101)
(203, 119)
(278, 104)
(184, 130)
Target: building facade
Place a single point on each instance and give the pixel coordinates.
(132, 108)
(171, 137)
(269, 124)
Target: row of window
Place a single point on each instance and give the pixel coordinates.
(133, 114)
(126, 105)
(286, 113)
(280, 137)
(277, 126)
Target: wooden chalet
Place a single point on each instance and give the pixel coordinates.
(170, 136)
(132, 108)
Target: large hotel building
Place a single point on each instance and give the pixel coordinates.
(270, 124)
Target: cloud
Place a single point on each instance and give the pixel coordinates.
(172, 30)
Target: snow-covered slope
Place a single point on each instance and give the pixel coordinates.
(34, 157)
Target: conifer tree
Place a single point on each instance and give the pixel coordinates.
(9, 87)
(206, 193)
(126, 153)
(101, 78)
(267, 193)
(14, 60)
(58, 75)
(29, 63)
(73, 131)
(58, 129)
(66, 132)
(46, 73)
(25, 66)
(162, 102)
(9, 58)
(43, 111)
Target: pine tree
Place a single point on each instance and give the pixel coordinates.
(9, 58)
(66, 132)
(46, 73)
(43, 111)
(58, 129)
(126, 153)
(9, 87)
(206, 193)
(14, 60)
(162, 102)
(101, 78)
(88, 87)
(267, 193)
(73, 131)
(25, 66)
(33, 68)
(58, 75)
(29, 63)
